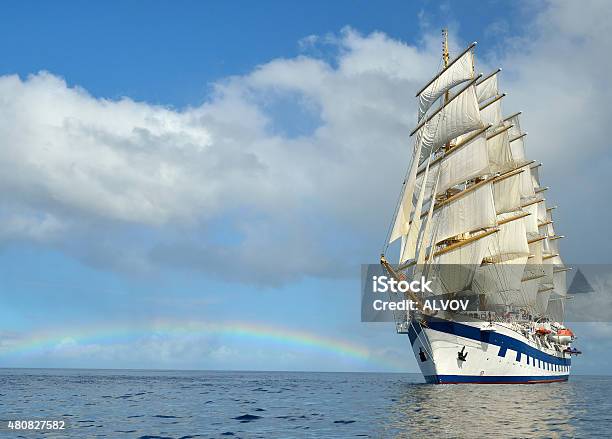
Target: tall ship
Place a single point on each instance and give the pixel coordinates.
(472, 218)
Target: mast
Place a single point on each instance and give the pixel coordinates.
(445, 57)
(445, 54)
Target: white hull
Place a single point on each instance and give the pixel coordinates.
(500, 356)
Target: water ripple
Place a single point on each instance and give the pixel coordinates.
(185, 405)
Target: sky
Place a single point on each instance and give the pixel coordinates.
(195, 185)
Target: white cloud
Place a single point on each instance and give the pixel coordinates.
(558, 74)
(41, 227)
(93, 165)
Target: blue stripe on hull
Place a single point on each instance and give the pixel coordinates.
(500, 379)
(503, 341)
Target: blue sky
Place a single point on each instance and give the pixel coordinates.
(165, 53)
(224, 162)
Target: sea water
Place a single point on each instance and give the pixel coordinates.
(195, 404)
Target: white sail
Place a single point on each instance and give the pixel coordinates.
(500, 282)
(517, 147)
(487, 88)
(470, 211)
(556, 307)
(507, 194)
(426, 236)
(507, 256)
(535, 250)
(461, 115)
(532, 276)
(460, 71)
(511, 240)
(461, 164)
(542, 230)
(556, 302)
(467, 162)
(546, 282)
(553, 245)
(454, 270)
(560, 280)
(541, 212)
(409, 243)
(492, 113)
(548, 267)
(402, 218)
(500, 155)
(526, 186)
(556, 261)
(515, 123)
(535, 176)
(531, 221)
(529, 292)
(516, 138)
(542, 297)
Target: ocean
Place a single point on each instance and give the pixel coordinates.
(195, 404)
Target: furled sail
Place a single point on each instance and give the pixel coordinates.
(458, 71)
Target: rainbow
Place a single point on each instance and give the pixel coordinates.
(120, 333)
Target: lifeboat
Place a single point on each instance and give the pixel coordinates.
(562, 336)
(542, 331)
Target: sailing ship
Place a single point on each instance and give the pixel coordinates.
(472, 217)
